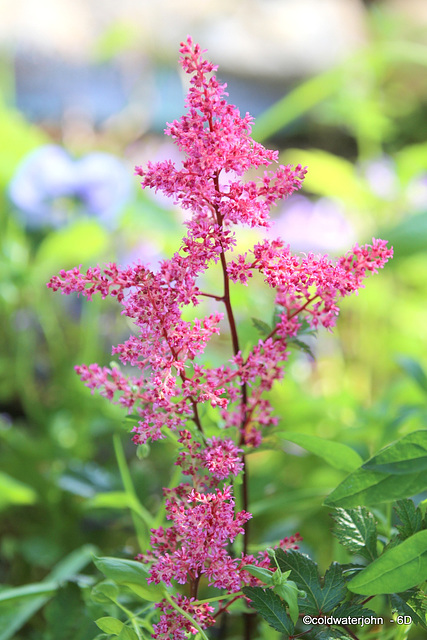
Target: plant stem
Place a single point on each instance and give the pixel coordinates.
(143, 513)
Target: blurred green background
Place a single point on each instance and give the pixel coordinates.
(339, 86)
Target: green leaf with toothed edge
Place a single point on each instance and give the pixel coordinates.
(411, 603)
(410, 517)
(356, 530)
(319, 598)
(262, 327)
(271, 608)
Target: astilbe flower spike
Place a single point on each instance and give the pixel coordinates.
(171, 384)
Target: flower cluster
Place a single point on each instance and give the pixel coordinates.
(172, 384)
(176, 626)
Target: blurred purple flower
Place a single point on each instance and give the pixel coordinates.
(382, 177)
(50, 187)
(313, 226)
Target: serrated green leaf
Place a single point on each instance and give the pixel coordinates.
(304, 573)
(397, 569)
(132, 574)
(412, 603)
(262, 327)
(110, 625)
(338, 455)
(334, 588)
(271, 608)
(356, 530)
(398, 471)
(302, 346)
(410, 517)
(353, 610)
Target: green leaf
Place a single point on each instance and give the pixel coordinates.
(414, 370)
(15, 492)
(302, 346)
(127, 634)
(121, 570)
(132, 574)
(398, 471)
(271, 607)
(105, 591)
(410, 517)
(304, 573)
(411, 603)
(262, 327)
(397, 569)
(261, 573)
(334, 587)
(356, 530)
(109, 625)
(338, 455)
(353, 610)
(289, 593)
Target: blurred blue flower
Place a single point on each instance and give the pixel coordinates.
(50, 187)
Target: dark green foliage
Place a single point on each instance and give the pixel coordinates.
(320, 598)
(271, 607)
(410, 517)
(262, 327)
(67, 616)
(412, 603)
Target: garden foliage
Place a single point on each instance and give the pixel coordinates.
(200, 566)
